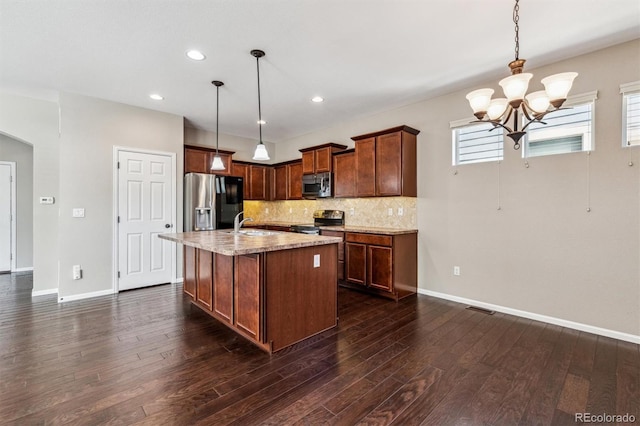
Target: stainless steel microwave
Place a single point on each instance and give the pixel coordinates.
(316, 186)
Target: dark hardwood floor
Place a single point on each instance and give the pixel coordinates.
(149, 357)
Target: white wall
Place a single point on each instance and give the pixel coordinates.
(36, 122)
(22, 154)
(90, 129)
(541, 253)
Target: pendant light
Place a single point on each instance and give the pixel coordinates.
(261, 153)
(217, 161)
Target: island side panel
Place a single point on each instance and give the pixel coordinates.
(248, 281)
(301, 300)
(223, 287)
(204, 279)
(189, 285)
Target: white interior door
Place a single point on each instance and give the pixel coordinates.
(5, 217)
(144, 210)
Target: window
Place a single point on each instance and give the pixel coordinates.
(630, 113)
(474, 143)
(566, 130)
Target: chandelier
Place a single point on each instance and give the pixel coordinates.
(533, 106)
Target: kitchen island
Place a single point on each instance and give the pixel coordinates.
(273, 288)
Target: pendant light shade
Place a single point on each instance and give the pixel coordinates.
(261, 153)
(217, 161)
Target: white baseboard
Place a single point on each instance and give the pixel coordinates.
(44, 292)
(537, 317)
(26, 269)
(177, 280)
(85, 295)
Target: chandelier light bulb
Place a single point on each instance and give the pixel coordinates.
(558, 86)
(497, 107)
(538, 101)
(479, 101)
(515, 86)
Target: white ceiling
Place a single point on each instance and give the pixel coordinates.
(362, 56)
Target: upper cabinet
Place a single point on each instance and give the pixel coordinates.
(344, 174)
(287, 181)
(256, 180)
(385, 163)
(317, 159)
(198, 160)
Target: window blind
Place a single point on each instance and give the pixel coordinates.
(632, 121)
(475, 143)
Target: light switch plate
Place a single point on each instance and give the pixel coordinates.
(78, 212)
(47, 200)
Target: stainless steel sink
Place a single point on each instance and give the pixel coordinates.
(253, 232)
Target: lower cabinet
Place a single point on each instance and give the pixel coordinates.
(340, 234)
(273, 299)
(382, 264)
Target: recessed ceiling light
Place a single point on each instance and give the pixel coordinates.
(261, 122)
(196, 55)
(156, 97)
(317, 99)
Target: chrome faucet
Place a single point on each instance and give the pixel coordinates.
(237, 223)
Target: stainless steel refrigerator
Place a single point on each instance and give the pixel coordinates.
(211, 201)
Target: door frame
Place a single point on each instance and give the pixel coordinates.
(115, 243)
(12, 224)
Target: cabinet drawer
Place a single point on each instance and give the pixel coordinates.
(380, 240)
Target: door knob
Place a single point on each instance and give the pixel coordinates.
(167, 225)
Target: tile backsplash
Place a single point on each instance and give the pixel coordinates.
(372, 212)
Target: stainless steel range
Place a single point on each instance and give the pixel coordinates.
(320, 218)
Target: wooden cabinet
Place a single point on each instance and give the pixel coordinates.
(385, 163)
(189, 284)
(274, 299)
(199, 159)
(257, 180)
(317, 159)
(287, 181)
(382, 264)
(344, 174)
(340, 234)
(294, 181)
(204, 278)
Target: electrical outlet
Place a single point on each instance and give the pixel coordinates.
(456, 270)
(390, 211)
(316, 260)
(352, 211)
(266, 211)
(290, 209)
(400, 211)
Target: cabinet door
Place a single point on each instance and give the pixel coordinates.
(257, 182)
(196, 161)
(323, 160)
(280, 183)
(340, 250)
(189, 283)
(205, 278)
(308, 163)
(344, 175)
(356, 264)
(389, 164)
(242, 170)
(223, 287)
(366, 167)
(247, 294)
(380, 267)
(294, 177)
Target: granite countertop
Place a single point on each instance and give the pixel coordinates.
(229, 244)
(370, 230)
